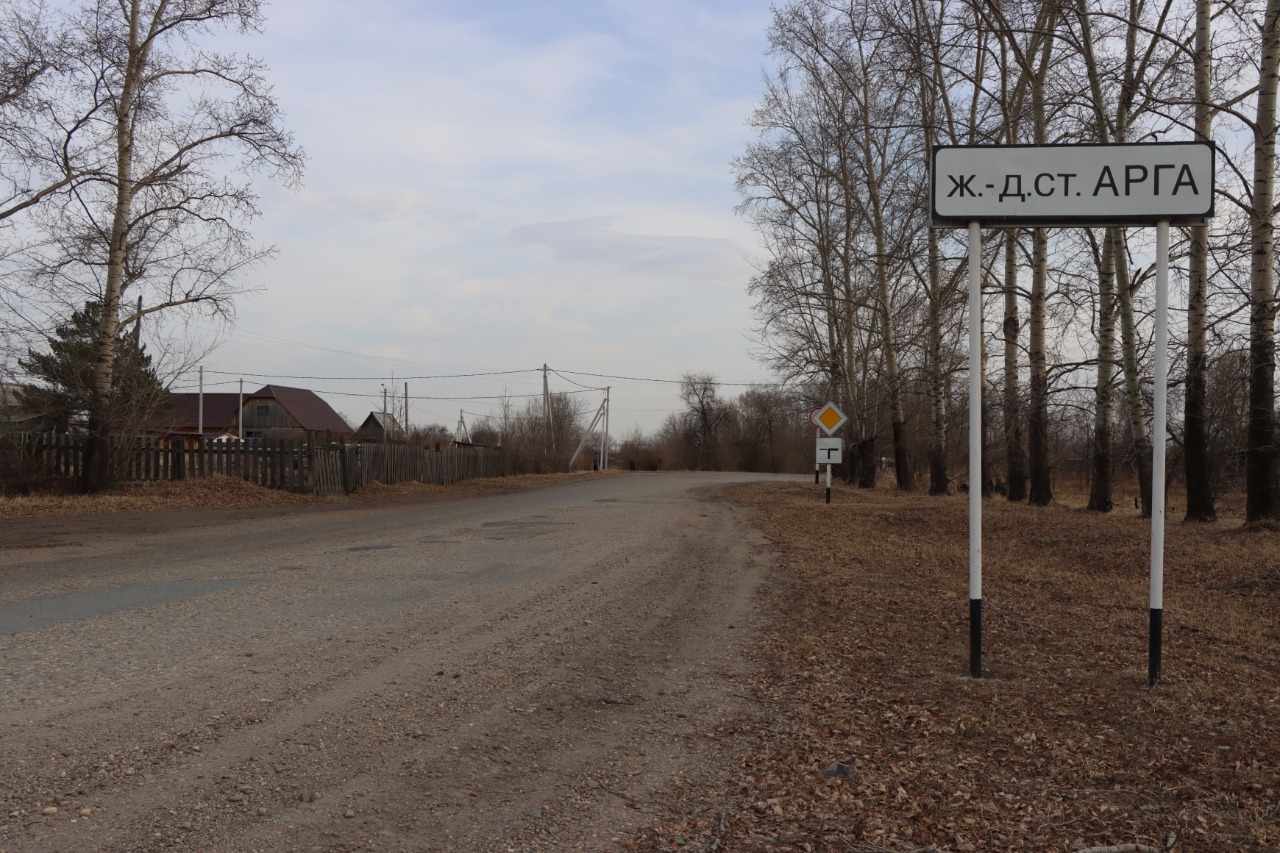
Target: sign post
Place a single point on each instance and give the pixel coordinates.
(830, 452)
(975, 449)
(1158, 183)
(1159, 404)
(817, 433)
(828, 418)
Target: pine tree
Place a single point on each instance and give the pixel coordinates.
(64, 375)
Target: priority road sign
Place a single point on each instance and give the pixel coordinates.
(829, 418)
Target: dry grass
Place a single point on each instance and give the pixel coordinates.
(213, 492)
(1061, 746)
(232, 493)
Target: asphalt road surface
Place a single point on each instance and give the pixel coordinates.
(535, 671)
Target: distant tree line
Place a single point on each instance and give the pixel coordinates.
(763, 428)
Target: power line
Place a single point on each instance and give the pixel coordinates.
(650, 379)
(304, 345)
(378, 395)
(571, 382)
(376, 378)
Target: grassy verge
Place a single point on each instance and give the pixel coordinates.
(1062, 746)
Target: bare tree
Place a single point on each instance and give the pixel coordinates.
(934, 46)
(161, 124)
(706, 414)
(1034, 59)
(1261, 498)
(1195, 442)
(38, 156)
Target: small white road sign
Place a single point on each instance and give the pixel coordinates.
(829, 417)
(830, 451)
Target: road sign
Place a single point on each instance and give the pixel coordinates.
(813, 416)
(1078, 184)
(830, 451)
(829, 418)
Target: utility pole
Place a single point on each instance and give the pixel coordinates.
(604, 434)
(404, 424)
(546, 411)
(200, 405)
(384, 414)
(240, 415)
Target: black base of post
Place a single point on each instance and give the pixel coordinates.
(975, 637)
(828, 494)
(816, 475)
(1154, 642)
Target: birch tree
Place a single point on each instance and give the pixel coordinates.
(1033, 55)
(1132, 85)
(163, 124)
(37, 160)
(934, 46)
(845, 44)
(1261, 500)
(1195, 454)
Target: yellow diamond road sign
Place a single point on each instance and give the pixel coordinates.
(830, 418)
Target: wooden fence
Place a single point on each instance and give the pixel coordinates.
(310, 468)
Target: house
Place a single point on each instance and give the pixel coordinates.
(15, 416)
(184, 419)
(276, 412)
(380, 426)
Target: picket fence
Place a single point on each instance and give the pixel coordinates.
(309, 468)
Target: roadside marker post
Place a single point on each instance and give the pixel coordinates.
(1080, 185)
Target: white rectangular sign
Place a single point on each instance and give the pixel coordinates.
(830, 451)
(1082, 184)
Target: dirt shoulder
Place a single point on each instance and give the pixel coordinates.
(879, 742)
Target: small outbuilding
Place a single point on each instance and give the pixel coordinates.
(380, 426)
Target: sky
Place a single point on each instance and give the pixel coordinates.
(494, 186)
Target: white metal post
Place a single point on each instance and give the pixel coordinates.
(975, 449)
(1159, 440)
(828, 482)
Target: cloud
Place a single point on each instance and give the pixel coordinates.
(596, 242)
(496, 185)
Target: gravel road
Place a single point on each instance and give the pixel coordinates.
(523, 672)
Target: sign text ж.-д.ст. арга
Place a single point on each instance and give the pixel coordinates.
(1081, 184)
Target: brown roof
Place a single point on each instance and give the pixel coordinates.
(307, 409)
(219, 413)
